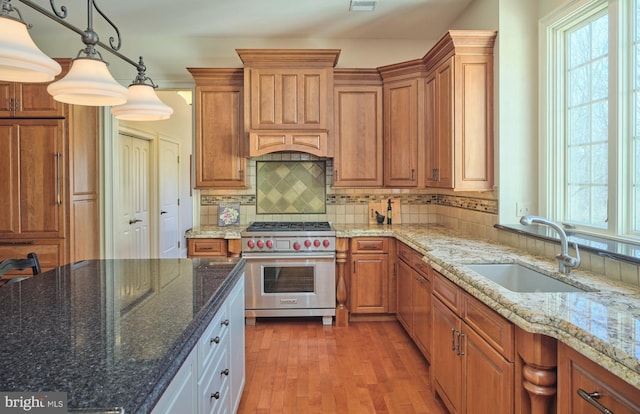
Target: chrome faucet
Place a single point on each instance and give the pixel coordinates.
(566, 262)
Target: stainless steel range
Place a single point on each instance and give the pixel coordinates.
(291, 270)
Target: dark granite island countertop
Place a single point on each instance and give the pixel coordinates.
(110, 333)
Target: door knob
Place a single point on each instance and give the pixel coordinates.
(133, 221)
(163, 212)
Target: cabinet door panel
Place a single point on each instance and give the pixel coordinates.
(447, 364)
(371, 289)
(358, 136)
(9, 199)
(401, 133)
(33, 100)
(422, 314)
(220, 158)
(405, 296)
(489, 377)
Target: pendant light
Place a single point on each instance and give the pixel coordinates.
(88, 83)
(20, 58)
(143, 103)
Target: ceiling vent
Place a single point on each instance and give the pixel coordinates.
(362, 5)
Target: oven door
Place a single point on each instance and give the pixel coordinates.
(290, 285)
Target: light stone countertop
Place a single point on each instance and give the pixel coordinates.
(602, 324)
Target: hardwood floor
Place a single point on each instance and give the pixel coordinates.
(297, 365)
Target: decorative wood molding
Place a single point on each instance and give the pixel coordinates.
(539, 360)
(307, 58)
(342, 312)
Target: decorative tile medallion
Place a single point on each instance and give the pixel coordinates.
(290, 187)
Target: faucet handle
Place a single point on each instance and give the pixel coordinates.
(575, 262)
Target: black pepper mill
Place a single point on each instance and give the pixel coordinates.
(389, 211)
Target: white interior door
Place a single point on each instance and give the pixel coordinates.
(133, 193)
(169, 194)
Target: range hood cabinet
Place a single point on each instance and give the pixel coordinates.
(288, 96)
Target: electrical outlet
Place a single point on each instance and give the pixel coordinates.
(523, 208)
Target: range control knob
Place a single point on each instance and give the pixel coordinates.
(296, 246)
(307, 243)
(260, 244)
(269, 244)
(251, 244)
(316, 243)
(326, 243)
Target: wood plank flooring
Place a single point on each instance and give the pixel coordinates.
(297, 365)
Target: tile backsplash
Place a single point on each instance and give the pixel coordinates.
(290, 187)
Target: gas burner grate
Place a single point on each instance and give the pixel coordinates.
(289, 226)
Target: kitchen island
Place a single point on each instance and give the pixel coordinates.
(112, 334)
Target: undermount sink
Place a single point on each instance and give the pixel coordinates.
(518, 278)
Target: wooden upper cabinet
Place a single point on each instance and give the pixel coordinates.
(403, 100)
(459, 111)
(357, 129)
(30, 100)
(220, 138)
(33, 167)
(289, 91)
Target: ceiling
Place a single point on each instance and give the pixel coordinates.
(167, 21)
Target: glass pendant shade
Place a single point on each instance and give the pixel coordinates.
(88, 83)
(143, 105)
(20, 58)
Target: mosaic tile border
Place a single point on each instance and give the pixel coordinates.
(467, 203)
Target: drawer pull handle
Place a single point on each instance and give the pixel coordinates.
(215, 395)
(224, 372)
(592, 398)
(453, 339)
(225, 322)
(216, 340)
(459, 351)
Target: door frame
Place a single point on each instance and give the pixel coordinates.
(113, 131)
(166, 138)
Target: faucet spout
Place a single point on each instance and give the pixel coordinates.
(566, 262)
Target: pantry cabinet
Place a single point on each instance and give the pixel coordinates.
(220, 140)
(586, 387)
(474, 369)
(459, 111)
(357, 129)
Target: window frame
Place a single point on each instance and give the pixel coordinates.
(552, 110)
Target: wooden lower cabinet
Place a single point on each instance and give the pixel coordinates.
(369, 275)
(471, 371)
(414, 298)
(586, 387)
(204, 247)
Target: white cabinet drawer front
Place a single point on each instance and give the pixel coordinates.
(213, 389)
(214, 339)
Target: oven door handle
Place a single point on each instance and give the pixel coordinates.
(302, 256)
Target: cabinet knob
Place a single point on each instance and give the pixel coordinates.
(224, 372)
(225, 322)
(215, 395)
(216, 340)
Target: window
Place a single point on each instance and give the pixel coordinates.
(591, 131)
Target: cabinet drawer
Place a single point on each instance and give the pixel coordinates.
(213, 388)
(369, 245)
(419, 265)
(50, 253)
(448, 292)
(576, 372)
(207, 247)
(496, 330)
(405, 253)
(214, 340)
